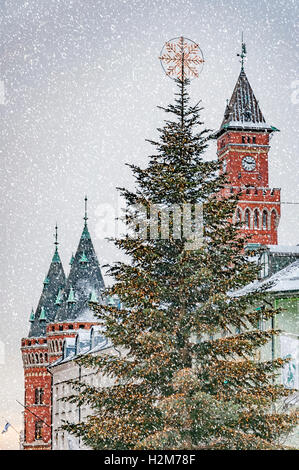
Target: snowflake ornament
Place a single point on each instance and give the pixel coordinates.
(181, 58)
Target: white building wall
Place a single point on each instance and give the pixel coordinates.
(65, 411)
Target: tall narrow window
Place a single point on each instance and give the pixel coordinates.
(38, 430)
(238, 218)
(36, 396)
(247, 218)
(39, 396)
(256, 219)
(265, 220)
(274, 219)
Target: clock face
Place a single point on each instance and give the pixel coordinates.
(248, 163)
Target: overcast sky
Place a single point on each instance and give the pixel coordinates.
(81, 81)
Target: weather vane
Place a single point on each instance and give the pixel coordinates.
(181, 58)
(243, 53)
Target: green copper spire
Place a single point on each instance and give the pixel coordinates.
(71, 297)
(72, 259)
(93, 298)
(32, 316)
(42, 314)
(85, 233)
(56, 257)
(58, 300)
(46, 281)
(83, 258)
(243, 53)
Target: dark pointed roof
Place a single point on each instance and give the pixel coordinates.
(84, 283)
(243, 110)
(46, 310)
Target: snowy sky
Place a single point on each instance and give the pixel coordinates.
(81, 81)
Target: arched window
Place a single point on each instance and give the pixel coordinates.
(247, 218)
(256, 219)
(46, 357)
(274, 219)
(265, 220)
(238, 216)
(56, 345)
(36, 358)
(41, 358)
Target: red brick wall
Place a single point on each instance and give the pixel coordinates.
(35, 360)
(231, 148)
(37, 354)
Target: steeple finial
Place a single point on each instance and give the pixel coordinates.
(243, 53)
(85, 216)
(56, 258)
(56, 236)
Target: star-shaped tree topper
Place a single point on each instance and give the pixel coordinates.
(181, 58)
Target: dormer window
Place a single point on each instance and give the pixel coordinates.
(71, 297)
(83, 259)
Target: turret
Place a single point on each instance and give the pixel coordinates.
(52, 285)
(37, 414)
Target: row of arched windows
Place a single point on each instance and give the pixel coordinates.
(42, 358)
(35, 358)
(256, 219)
(55, 346)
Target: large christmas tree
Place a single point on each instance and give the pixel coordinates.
(188, 376)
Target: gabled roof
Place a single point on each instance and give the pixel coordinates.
(84, 282)
(46, 310)
(243, 110)
(285, 280)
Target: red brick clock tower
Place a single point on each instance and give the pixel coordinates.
(243, 144)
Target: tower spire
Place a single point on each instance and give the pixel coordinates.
(243, 53)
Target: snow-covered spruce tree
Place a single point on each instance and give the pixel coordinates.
(177, 319)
